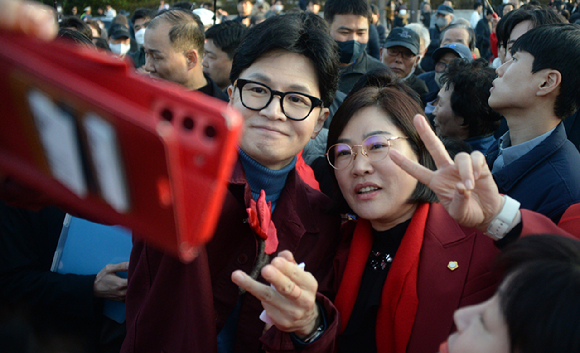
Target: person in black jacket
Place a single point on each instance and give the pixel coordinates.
(482, 35)
(53, 311)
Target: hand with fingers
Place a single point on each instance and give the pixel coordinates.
(464, 186)
(292, 305)
(28, 17)
(110, 286)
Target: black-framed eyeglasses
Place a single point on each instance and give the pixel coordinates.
(375, 148)
(257, 96)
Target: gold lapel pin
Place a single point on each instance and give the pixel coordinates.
(452, 265)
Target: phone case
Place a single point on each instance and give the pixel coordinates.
(105, 142)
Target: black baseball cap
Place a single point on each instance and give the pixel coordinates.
(118, 30)
(403, 37)
(444, 9)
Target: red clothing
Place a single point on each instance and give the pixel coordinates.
(440, 291)
(570, 220)
(306, 172)
(493, 44)
(168, 306)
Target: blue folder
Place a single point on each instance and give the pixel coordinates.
(84, 248)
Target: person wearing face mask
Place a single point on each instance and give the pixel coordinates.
(119, 39)
(442, 58)
(443, 18)
(349, 22)
(140, 20)
(275, 10)
(401, 17)
(401, 55)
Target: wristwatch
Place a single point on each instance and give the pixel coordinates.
(503, 222)
(315, 334)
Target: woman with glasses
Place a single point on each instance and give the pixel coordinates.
(409, 265)
(407, 262)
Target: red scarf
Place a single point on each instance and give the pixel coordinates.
(396, 313)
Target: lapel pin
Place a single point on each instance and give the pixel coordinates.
(452, 265)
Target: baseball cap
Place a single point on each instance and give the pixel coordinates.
(205, 15)
(118, 30)
(456, 48)
(444, 9)
(403, 37)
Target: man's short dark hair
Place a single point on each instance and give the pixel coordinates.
(500, 30)
(539, 295)
(78, 24)
(186, 30)
(101, 43)
(465, 26)
(346, 7)
(227, 36)
(74, 36)
(471, 82)
(374, 9)
(556, 47)
(302, 33)
(537, 15)
(476, 5)
(142, 13)
(93, 24)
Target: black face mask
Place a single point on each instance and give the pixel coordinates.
(350, 50)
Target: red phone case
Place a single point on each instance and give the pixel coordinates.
(112, 145)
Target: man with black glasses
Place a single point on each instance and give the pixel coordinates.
(285, 75)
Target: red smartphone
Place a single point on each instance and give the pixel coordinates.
(97, 138)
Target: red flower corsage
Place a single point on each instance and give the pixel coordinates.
(260, 219)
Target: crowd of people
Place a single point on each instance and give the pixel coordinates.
(423, 180)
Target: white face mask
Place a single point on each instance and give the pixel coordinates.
(119, 49)
(278, 8)
(402, 12)
(441, 22)
(140, 36)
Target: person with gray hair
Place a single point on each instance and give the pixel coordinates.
(459, 31)
(425, 41)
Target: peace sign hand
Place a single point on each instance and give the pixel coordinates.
(465, 187)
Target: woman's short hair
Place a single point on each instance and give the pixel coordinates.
(471, 82)
(401, 108)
